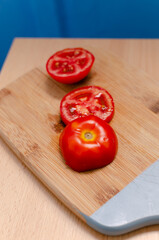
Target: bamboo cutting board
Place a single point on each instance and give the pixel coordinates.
(30, 124)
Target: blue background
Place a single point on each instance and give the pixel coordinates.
(77, 18)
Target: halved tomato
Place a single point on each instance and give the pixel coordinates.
(70, 65)
(88, 143)
(85, 101)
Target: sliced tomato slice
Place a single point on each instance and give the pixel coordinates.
(70, 65)
(85, 101)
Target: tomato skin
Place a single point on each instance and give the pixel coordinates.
(82, 153)
(79, 70)
(91, 101)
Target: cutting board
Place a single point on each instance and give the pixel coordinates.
(30, 124)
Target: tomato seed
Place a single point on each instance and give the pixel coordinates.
(57, 64)
(76, 53)
(72, 109)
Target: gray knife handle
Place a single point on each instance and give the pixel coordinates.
(136, 206)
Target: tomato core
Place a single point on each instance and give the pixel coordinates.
(88, 135)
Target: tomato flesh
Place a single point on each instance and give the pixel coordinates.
(85, 101)
(70, 65)
(88, 143)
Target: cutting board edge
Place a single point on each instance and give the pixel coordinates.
(37, 175)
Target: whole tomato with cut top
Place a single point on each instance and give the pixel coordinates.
(88, 143)
(85, 101)
(70, 65)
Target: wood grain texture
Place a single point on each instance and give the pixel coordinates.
(28, 210)
(30, 124)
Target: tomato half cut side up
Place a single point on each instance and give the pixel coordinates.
(70, 65)
(86, 101)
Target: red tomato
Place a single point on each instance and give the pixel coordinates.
(85, 101)
(88, 143)
(70, 65)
